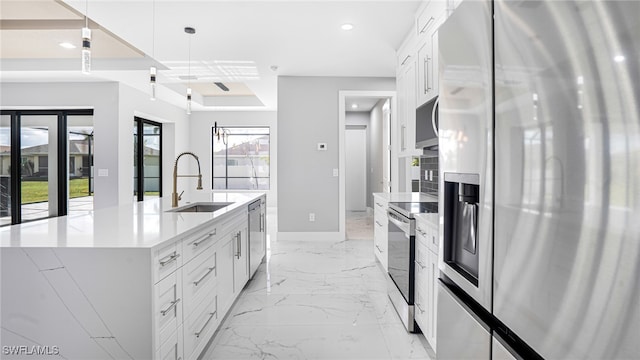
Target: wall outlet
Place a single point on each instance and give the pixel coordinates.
(312, 217)
(335, 172)
(103, 172)
(322, 146)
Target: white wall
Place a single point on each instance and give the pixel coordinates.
(308, 114)
(200, 141)
(363, 118)
(114, 107)
(175, 137)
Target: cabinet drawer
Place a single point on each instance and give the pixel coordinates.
(199, 278)
(199, 242)
(172, 349)
(200, 325)
(166, 261)
(421, 311)
(167, 306)
(421, 266)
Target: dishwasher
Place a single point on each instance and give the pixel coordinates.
(257, 236)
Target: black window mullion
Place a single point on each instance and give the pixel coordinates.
(140, 170)
(16, 183)
(63, 173)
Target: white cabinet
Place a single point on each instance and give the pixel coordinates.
(426, 278)
(428, 67)
(380, 227)
(225, 265)
(429, 19)
(406, 89)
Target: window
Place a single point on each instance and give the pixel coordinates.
(241, 158)
(147, 152)
(36, 148)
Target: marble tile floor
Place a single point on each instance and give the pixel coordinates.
(316, 300)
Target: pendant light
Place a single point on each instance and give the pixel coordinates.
(189, 31)
(152, 70)
(86, 42)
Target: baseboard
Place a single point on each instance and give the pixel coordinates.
(310, 236)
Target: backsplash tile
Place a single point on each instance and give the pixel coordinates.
(426, 164)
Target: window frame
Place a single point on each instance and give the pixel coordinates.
(226, 162)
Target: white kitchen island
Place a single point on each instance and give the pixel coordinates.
(128, 282)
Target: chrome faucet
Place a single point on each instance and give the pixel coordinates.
(174, 196)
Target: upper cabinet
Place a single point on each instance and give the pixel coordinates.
(406, 87)
(417, 70)
(429, 19)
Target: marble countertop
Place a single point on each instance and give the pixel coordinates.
(408, 197)
(145, 224)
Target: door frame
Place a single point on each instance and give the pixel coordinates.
(342, 113)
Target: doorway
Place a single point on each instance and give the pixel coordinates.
(365, 152)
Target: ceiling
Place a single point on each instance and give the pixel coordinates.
(244, 44)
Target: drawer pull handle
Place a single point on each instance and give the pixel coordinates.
(203, 239)
(378, 247)
(405, 60)
(168, 259)
(379, 204)
(427, 25)
(195, 283)
(420, 264)
(173, 304)
(421, 232)
(420, 308)
(239, 244)
(211, 315)
(378, 223)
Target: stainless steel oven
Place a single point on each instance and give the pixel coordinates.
(401, 231)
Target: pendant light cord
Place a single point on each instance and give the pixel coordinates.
(153, 30)
(86, 14)
(189, 75)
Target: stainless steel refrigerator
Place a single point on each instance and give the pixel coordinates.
(540, 155)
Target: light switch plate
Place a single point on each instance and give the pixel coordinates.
(103, 172)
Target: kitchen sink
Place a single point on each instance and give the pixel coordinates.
(201, 207)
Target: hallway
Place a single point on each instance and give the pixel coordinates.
(316, 300)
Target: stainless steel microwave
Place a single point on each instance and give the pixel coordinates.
(427, 125)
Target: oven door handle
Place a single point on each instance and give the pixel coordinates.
(404, 226)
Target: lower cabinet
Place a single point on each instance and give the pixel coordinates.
(426, 280)
(380, 228)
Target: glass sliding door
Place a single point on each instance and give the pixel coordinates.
(5, 170)
(147, 160)
(38, 167)
(80, 167)
(44, 162)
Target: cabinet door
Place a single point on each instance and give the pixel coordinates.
(433, 298)
(241, 263)
(407, 109)
(225, 272)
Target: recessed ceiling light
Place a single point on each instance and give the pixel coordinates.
(346, 27)
(618, 58)
(354, 106)
(67, 45)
